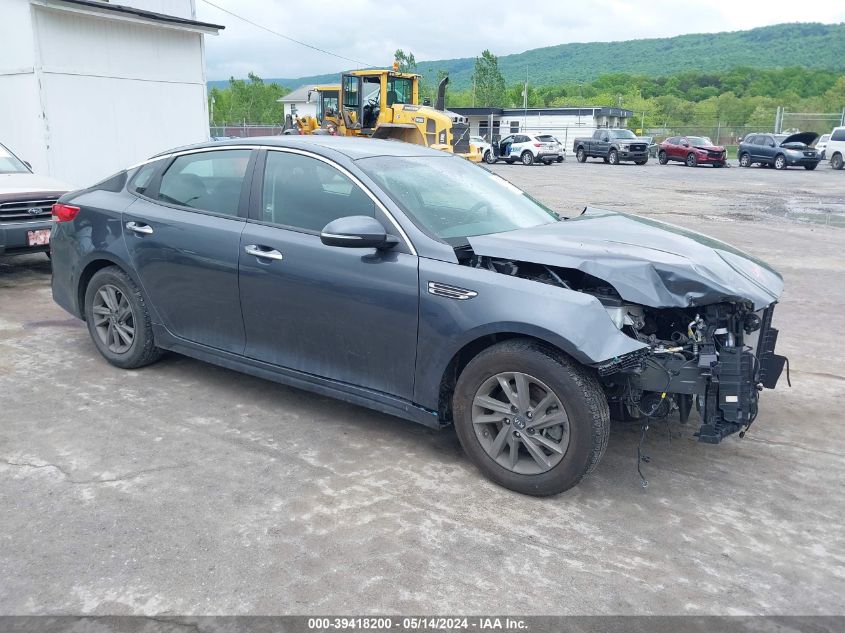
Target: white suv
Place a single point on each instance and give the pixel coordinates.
(836, 147)
(526, 148)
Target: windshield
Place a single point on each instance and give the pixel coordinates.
(11, 164)
(622, 134)
(699, 140)
(453, 199)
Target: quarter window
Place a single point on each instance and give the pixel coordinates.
(305, 193)
(208, 181)
(143, 177)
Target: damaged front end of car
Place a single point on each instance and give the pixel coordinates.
(700, 310)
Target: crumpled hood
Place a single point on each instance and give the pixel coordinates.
(711, 148)
(30, 183)
(648, 262)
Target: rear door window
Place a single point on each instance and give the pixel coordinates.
(206, 181)
(838, 135)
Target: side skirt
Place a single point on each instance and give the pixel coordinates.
(375, 400)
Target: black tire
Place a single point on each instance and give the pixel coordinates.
(836, 161)
(577, 389)
(745, 160)
(527, 158)
(489, 158)
(780, 162)
(613, 157)
(142, 350)
(641, 162)
(692, 160)
(810, 167)
(662, 157)
(581, 155)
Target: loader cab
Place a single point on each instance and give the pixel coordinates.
(365, 95)
(327, 101)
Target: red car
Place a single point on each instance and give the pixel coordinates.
(692, 150)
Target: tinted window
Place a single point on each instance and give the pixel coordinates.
(622, 134)
(838, 135)
(756, 140)
(143, 177)
(547, 138)
(306, 193)
(210, 181)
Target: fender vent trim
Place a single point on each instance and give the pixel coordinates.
(450, 292)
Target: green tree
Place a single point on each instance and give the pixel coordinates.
(250, 101)
(407, 62)
(487, 81)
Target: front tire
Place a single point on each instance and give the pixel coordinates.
(530, 418)
(613, 157)
(745, 159)
(527, 158)
(119, 320)
(489, 158)
(836, 161)
(780, 162)
(581, 155)
(662, 157)
(692, 160)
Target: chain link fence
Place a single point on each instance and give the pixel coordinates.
(244, 130)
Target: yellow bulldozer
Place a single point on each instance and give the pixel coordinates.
(385, 104)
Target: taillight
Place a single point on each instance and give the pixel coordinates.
(538, 145)
(64, 212)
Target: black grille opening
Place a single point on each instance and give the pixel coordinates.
(460, 138)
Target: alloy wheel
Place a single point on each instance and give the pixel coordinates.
(520, 423)
(114, 320)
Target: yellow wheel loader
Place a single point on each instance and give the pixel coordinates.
(385, 104)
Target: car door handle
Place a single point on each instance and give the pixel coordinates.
(263, 251)
(138, 228)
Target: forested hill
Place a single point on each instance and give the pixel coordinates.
(811, 45)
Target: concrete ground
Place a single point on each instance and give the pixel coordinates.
(183, 488)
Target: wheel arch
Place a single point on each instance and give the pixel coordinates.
(472, 348)
(96, 263)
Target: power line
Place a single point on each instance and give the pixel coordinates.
(282, 35)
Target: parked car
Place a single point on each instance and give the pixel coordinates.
(821, 145)
(26, 200)
(526, 148)
(613, 145)
(836, 147)
(779, 150)
(418, 284)
(692, 151)
(652, 145)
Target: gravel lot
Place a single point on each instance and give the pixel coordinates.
(183, 488)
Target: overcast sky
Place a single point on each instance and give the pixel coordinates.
(370, 30)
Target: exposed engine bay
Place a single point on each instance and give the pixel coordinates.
(715, 358)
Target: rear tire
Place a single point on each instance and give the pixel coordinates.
(780, 162)
(692, 160)
(118, 320)
(505, 450)
(745, 159)
(662, 157)
(581, 155)
(836, 161)
(613, 157)
(527, 158)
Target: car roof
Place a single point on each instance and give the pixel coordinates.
(353, 148)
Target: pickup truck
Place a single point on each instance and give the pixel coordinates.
(613, 145)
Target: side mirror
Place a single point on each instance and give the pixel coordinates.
(357, 231)
(685, 143)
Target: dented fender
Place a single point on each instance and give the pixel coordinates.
(572, 321)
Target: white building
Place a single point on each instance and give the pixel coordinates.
(300, 102)
(563, 123)
(88, 86)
